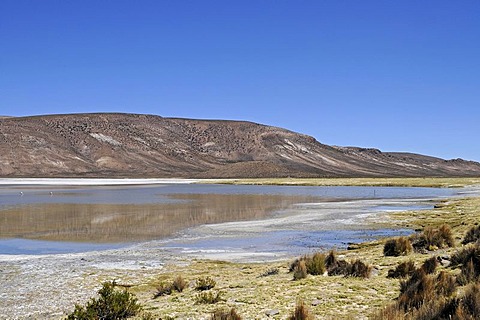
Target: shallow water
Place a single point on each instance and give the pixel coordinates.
(71, 219)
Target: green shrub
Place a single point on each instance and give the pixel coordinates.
(300, 270)
(397, 247)
(208, 297)
(225, 314)
(403, 270)
(301, 312)
(111, 304)
(472, 235)
(315, 264)
(205, 284)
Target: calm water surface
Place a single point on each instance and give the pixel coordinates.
(48, 219)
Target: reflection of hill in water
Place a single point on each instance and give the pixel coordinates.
(135, 222)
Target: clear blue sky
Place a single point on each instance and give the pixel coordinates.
(395, 75)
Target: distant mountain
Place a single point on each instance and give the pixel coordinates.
(131, 145)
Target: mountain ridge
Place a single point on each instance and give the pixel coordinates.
(139, 145)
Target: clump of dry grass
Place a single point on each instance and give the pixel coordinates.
(301, 312)
(432, 239)
(270, 272)
(397, 247)
(403, 270)
(473, 235)
(430, 265)
(163, 289)
(225, 314)
(300, 270)
(315, 264)
(179, 283)
(359, 269)
(469, 259)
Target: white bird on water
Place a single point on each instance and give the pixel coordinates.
(21, 194)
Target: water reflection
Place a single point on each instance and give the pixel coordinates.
(103, 222)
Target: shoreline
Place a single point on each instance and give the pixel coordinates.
(73, 278)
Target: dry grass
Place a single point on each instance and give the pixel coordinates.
(301, 312)
(397, 247)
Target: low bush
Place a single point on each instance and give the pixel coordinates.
(430, 265)
(179, 284)
(432, 239)
(359, 269)
(315, 264)
(206, 283)
(112, 304)
(301, 312)
(469, 259)
(445, 284)
(208, 297)
(397, 247)
(300, 270)
(270, 272)
(416, 290)
(225, 314)
(331, 259)
(473, 235)
(163, 289)
(403, 270)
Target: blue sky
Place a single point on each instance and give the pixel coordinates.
(395, 75)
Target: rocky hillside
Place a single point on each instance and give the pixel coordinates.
(130, 145)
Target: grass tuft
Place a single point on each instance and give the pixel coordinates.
(397, 247)
(403, 270)
(225, 314)
(301, 312)
(206, 283)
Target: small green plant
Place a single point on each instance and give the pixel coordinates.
(301, 312)
(208, 297)
(225, 314)
(206, 283)
(397, 247)
(316, 264)
(472, 235)
(112, 304)
(300, 270)
(403, 270)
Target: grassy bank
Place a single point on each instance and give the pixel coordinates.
(370, 182)
(267, 290)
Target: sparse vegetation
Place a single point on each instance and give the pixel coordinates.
(205, 283)
(163, 289)
(397, 247)
(112, 304)
(208, 297)
(315, 264)
(270, 272)
(359, 269)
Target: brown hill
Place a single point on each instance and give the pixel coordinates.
(130, 145)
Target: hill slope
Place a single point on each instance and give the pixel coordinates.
(130, 145)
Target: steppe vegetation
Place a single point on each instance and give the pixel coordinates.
(433, 274)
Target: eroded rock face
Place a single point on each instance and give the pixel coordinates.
(131, 145)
